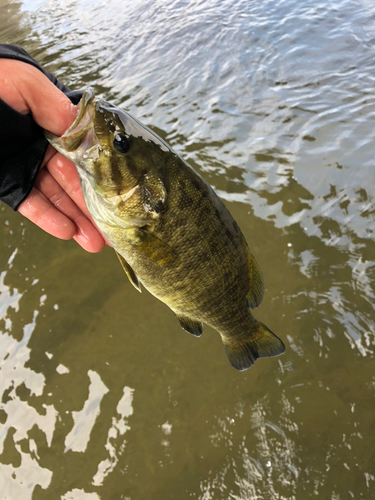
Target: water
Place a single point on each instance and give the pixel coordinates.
(102, 395)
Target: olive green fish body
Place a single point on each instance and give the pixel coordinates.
(205, 265)
(170, 230)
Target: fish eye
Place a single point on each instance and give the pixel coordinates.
(121, 143)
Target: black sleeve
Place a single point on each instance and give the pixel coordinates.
(22, 143)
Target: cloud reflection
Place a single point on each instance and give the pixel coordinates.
(19, 482)
(118, 428)
(84, 420)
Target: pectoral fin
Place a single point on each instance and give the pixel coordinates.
(149, 245)
(129, 272)
(190, 325)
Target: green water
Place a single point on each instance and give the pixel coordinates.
(103, 396)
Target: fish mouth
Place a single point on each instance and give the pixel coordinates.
(80, 136)
(80, 132)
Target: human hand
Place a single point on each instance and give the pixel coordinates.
(55, 203)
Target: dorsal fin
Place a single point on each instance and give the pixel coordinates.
(255, 293)
(256, 288)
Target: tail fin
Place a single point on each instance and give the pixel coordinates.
(261, 343)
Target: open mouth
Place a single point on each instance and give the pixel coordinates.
(79, 143)
(84, 116)
(80, 133)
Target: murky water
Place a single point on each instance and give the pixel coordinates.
(103, 396)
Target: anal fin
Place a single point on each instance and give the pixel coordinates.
(191, 326)
(129, 272)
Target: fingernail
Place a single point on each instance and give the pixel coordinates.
(74, 110)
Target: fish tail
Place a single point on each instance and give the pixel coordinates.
(260, 342)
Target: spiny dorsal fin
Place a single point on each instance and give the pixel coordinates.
(191, 326)
(129, 272)
(260, 343)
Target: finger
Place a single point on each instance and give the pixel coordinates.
(87, 236)
(41, 212)
(51, 151)
(25, 88)
(65, 173)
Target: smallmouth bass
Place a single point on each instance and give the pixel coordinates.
(171, 232)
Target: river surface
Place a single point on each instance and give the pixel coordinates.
(103, 396)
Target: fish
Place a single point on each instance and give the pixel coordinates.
(171, 232)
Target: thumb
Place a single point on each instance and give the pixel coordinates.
(27, 89)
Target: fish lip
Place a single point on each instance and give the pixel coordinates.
(78, 129)
(82, 128)
(80, 136)
(84, 116)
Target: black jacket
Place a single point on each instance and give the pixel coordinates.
(22, 143)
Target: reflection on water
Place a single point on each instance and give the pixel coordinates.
(102, 395)
(84, 420)
(21, 413)
(118, 428)
(20, 472)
